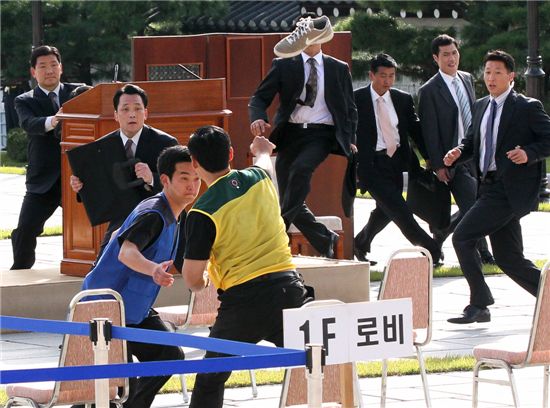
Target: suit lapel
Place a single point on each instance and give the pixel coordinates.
(143, 144)
(44, 101)
(468, 86)
(478, 116)
(506, 117)
(371, 118)
(444, 91)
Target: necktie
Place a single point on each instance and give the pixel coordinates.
(464, 106)
(388, 131)
(128, 149)
(489, 139)
(53, 98)
(311, 85)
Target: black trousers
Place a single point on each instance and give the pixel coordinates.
(303, 151)
(35, 211)
(492, 215)
(250, 312)
(385, 184)
(463, 185)
(143, 389)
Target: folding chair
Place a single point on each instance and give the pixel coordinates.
(520, 351)
(201, 312)
(408, 274)
(336, 380)
(75, 351)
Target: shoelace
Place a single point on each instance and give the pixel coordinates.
(303, 26)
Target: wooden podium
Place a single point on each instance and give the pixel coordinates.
(176, 107)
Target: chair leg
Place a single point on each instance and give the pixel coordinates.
(476, 384)
(424, 377)
(253, 382)
(545, 387)
(184, 392)
(513, 386)
(384, 383)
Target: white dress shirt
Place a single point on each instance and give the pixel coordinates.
(380, 144)
(319, 113)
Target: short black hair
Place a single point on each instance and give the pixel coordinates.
(170, 156)
(441, 41)
(499, 55)
(130, 89)
(44, 50)
(209, 146)
(382, 60)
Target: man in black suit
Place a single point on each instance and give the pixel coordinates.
(140, 141)
(444, 107)
(508, 140)
(386, 121)
(37, 110)
(311, 122)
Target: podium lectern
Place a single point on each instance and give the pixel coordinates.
(176, 107)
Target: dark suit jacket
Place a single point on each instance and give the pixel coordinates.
(151, 143)
(286, 78)
(523, 123)
(439, 115)
(367, 134)
(43, 151)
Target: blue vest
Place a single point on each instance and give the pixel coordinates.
(138, 291)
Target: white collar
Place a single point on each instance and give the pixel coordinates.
(374, 95)
(56, 90)
(135, 139)
(317, 57)
(501, 98)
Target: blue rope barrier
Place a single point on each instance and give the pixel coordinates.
(154, 368)
(250, 356)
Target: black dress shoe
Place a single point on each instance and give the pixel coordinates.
(362, 256)
(487, 258)
(472, 314)
(331, 253)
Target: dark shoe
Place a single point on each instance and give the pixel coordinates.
(472, 314)
(362, 256)
(487, 258)
(331, 253)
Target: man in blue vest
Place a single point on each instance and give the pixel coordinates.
(136, 260)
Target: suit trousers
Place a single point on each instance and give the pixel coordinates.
(250, 312)
(35, 211)
(303, 151)
(385, 184)
(463, 185)
(492, 215)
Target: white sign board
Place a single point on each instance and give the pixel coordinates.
(353, 331)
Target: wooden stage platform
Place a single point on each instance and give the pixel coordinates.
(45, 293)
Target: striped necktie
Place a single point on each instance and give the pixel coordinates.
(464, 105)
(311, 85)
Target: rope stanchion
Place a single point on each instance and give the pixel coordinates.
(248, 356)
(315, 362)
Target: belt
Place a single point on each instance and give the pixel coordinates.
(275, 276)
(309, 126)
(382, 152)
(490, 178)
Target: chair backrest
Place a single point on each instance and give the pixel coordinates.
(294, 391)
(204, 309)
(408, 274)
(539, 340)
(77, 350)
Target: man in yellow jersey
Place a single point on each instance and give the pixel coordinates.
(237, 226)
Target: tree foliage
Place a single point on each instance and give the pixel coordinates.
(91, 35)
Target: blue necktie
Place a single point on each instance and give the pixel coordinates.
(53, 98)
(489, 139)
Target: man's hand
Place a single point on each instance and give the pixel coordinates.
(144, 172)
(258, 127)
(353, 148)
(452, 156)
(75, 183)
(517, 155)
(443, 174)
(261, 145)
(55, 119)
(160, 274)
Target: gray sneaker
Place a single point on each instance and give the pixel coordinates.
(308, 31)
